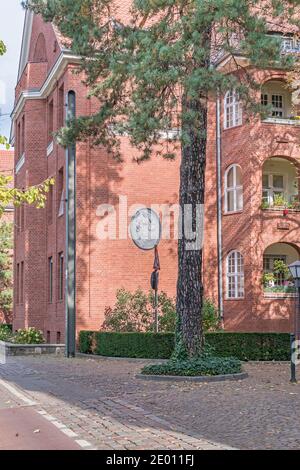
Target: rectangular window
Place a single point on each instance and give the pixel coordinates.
(235, 276)
(60, 276)
(60, 193)
(274, 186)
(50, 122)
(18, 284)
(277, 105)
(50, 280)
(22, 283)
(19, 140)
(61, 107)
(17, 219)
(50, 206)
(22, 217)
(58, 337)
(264, 99)
(23, 136)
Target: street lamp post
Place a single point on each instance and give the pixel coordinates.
(295, 337)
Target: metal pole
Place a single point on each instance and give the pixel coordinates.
(219, 206)
(295, 337)
(156, 267)
(293, 364)
(298, 312)
(156, 310)
(70, 288)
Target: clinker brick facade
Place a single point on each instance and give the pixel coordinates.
(252, 235)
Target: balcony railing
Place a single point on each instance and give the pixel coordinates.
(291, 120)
(281, 288)
(290, 45)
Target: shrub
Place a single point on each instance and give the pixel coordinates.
(207, 365)
(5, 332)
(28, 336)
(133, 312)
(244, 346)
(210, 316)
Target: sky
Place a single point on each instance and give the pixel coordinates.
(11, 29)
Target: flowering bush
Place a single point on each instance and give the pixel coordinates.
(28, 336)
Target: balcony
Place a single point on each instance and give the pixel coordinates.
(276, 277)
(278, 100)
(280, 186)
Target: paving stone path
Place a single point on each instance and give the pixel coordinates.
(102, 404)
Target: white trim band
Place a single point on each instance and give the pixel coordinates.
(63, 60)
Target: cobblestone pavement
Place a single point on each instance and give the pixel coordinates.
(101, 401)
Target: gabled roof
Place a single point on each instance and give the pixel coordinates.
(25, 42)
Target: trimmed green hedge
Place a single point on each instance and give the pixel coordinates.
(251, 346)
(138, 345)
(244, 346)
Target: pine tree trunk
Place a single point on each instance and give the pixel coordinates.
(192, 184)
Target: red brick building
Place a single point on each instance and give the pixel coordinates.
(7, 169)
(258, 170)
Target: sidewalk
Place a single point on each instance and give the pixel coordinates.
(61, 392)
(104, 406)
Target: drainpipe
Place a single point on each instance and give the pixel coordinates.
(219, 207)
(70, 287)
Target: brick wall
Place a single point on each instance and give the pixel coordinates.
(7, 169)
(103, 266)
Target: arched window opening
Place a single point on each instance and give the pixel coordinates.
(233, 189)
(40, 54)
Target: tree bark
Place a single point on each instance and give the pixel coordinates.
(192, 186)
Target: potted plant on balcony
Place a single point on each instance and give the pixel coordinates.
(280, 202)
(265, 205)
(268, 280)
(280, 268)
(278, 282)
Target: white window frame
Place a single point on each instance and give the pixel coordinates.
(233, 112)
(237, 275)
(61, 209)
(273, 189)
(275, 109)
(234, 189)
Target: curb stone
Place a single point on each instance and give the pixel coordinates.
(174, 378)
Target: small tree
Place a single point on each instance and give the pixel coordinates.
(155, 71)
(8, 195)
(6, 271)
